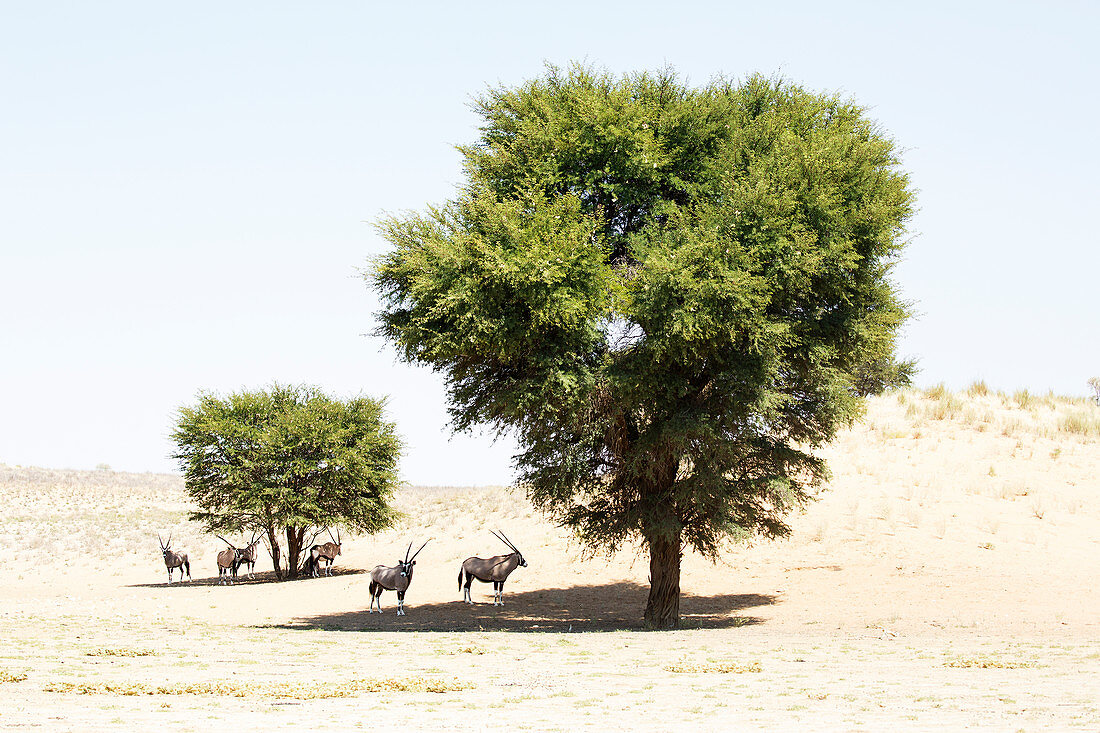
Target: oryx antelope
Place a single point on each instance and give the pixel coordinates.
(173, 559)
(396, 578)
(228, 561)
(326, 553)
(248, 554)
(493, 570)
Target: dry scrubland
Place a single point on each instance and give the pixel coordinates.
(948, 576)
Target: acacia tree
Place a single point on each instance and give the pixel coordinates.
(670, 295)
(288, 462)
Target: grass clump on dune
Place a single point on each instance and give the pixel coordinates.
(1080, 423)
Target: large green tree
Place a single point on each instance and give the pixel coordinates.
(670, 295)
(288, 462)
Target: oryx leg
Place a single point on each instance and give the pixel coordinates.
(375, 591)
(400, 603)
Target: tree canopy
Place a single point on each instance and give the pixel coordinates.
(290, 462)
(670, 295)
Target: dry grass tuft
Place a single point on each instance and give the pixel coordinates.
(987, 663)
(978, 389)
(112, 652)
(720, 668)
(6, 676)
(1080, 423)
(293, 690)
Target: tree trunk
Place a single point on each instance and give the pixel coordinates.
(293, 550)
(271, 538)
(662, 611)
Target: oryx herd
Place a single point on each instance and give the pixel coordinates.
(398, 578)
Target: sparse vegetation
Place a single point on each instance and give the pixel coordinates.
(310, 690)
(6, 676)
(712, 668)
(1080, 423)
(120, 652)
(1021, 413)
(981, 662)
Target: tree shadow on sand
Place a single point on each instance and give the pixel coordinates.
(608, 607)
(268, 576)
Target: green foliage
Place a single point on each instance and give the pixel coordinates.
(288, 458)
(669, 295)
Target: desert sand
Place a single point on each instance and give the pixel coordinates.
(947, 576)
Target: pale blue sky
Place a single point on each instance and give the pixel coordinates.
(185, 189)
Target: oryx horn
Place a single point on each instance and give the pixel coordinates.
(501, 536)
(418, 551)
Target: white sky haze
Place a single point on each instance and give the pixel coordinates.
(187, 191)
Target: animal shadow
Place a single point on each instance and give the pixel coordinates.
(607, 607)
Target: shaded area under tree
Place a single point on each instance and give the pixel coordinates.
(604, 607)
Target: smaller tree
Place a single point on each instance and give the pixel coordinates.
(288, 462)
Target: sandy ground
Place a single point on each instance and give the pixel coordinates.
(947, 577)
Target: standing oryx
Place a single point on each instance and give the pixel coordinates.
(494, 569)
(172, 559)
(228, 560)
(247, 556)
(397, 578)
(326, 552)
